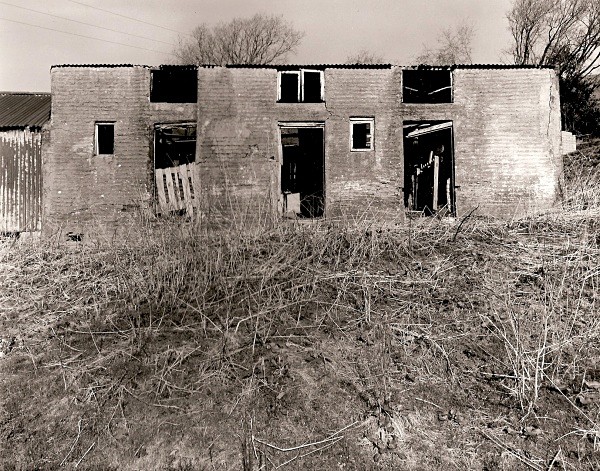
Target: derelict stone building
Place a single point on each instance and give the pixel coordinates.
(368, 141)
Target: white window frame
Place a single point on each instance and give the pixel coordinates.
(96, 142)
(295, 72)
(320, 72)
(300, 74)
(371, 123)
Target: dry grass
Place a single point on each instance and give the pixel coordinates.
(312, 346)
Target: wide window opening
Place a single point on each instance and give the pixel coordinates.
(303, 171)
(429, 168)
(105, 139)
(174, 170)
(361, 134)
(300, 86)
(174, 84)
(426, 86)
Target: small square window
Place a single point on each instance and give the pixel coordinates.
(105, 138)
(361, 133)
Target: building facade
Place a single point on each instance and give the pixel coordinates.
(335, 141)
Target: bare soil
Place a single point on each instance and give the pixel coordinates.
(439, 345)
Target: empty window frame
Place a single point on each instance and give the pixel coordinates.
(174, 85)
(174, 144)
(104, 138)
(361, 134)
(427, 86)
(300, 86)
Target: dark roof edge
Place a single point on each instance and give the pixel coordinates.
(309, 66)
(26, 93)
(315, 66)
(32, 127)
(106, 66)
(502, 66)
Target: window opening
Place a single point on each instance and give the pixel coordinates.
(300, 86)
(174, 157)
(426, 86)
(174, 84)
(429, 168)
(290, 87)
(312, 86)
(302, 171)
(105, 138)
(361, 133)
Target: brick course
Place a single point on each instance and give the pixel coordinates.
(506, 126)
(91, 193)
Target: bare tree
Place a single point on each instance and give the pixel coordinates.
(564, 34)
(453, 47)
(561, 33)
(260, 39)
(364, 57)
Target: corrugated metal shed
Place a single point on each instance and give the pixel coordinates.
(21, 110)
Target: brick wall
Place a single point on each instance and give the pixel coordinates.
(92, 194)
(239, 149)
(507, 140)
(506, 125)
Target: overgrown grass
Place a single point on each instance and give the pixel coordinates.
(433, 345)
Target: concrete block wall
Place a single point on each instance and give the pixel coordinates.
(88, 193)
(507, 140)
(239, 140)
(506, 122)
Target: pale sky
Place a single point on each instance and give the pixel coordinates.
(334, 29)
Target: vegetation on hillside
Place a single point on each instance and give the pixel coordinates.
(438, 345)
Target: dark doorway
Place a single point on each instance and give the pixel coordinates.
(429, 167)
(174, 169)
(303, 171)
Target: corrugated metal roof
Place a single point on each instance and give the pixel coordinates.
(388, 66)
(24, 109)
(309, 66)
(501, 66)
(112, 66)
(326, 66)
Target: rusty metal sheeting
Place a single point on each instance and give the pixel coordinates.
(19, 110)
(20, 180)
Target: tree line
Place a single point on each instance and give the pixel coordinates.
(564, 34)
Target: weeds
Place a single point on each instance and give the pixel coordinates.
(190, 348)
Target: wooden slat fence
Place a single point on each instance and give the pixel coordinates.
(176, 189)
(20, 180)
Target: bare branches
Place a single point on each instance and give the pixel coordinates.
(564, 34)
(261, 39)
(453, 47)
(364, 57)
(561, 33)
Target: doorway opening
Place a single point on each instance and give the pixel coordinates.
(429, 168)
(303, 169)
(174, 170)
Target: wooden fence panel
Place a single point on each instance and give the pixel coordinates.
(176, 189)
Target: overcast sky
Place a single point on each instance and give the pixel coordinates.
(393, 29)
